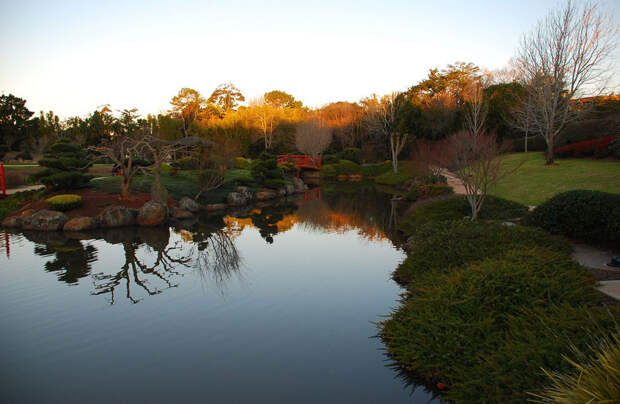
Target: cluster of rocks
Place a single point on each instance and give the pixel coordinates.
(152, 213)
(244, 196)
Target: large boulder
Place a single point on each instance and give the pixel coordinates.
(152, 213)
(298, 184)
(236, 199)
(246, 192)
(12, 221)
(116, 216)
(265, 195)
(189, 204)
(27, 212)
(181, 214)
(80, 224)
(45, 220)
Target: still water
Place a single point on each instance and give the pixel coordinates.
(264, 305)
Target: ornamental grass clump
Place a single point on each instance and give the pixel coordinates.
(64, 202)
(595, 377)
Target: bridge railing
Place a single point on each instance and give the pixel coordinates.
(301, 160)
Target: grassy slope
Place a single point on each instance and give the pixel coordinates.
(534, 182)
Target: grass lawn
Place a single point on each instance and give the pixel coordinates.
(534, 182)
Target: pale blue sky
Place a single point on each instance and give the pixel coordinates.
(71, 56)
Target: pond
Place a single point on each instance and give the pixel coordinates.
(266, 304)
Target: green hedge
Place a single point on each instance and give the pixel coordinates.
(64, 202)
(343, 167)
(374, 170)
(494, 208)
(485, 329)
(242, 163)
(587, 215)
(391, 178)
(439, 247)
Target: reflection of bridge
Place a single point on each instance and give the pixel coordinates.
(311, 195)
(301, 161)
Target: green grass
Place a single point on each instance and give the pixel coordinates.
(12, 202)
(534, 182)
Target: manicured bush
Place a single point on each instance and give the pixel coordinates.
(187, 163)
(439, 247)
(328, 171)
(65, 165)
(414, 194)
(241, 177)
(434, 190)
(434, 179)
(484, 330)
(64, 202)
(330, 159)
(587, 215)
(351, 154)
(346, 167)
(242, 163)
(391, 178)
(265, 170)
(494, 208)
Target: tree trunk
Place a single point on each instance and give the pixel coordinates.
(125, 183)
(158, 192)
(549, 153)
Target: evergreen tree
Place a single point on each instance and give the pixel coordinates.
(65, 167)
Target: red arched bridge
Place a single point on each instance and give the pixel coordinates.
(301, 161)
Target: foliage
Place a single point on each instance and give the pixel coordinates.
(534, 182)
(12, 202)
(391, 178)
(266, 172)
(351, 154)
(343, 167)
(587, 215)
(593, 378)
(434, 179)
(484, 329)
(187, 163)
(330, 159)
(280, 99)
(432, 190)
(14, 122)
(208, 180)
(595, 147)
(64, 202)
(239, 176)
(65, 167)
(226, 96)
(242, 163)
(24, 156)
(374, 170)
(439, 247)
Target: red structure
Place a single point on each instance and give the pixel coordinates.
(302, 161)
(2, 181)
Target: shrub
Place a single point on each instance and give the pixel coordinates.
(351, 154)
(594, 377)
(433, 190)
(265, 169)
(374, 170)
(594, 147)
(24, 156)
(187, 163)
(328, 171)
(241, 177)
(346, 167)
(242, 163)
(330, 159)
(439, 247)
(391, 178)
(65, 167)
(494, 208)
(613, 148)
(414, 194)
(64, 202)
(588, 215)
(12, 201)
(434, 179)
(466, 329)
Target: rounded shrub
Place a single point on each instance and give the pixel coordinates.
(351, 154)
(242, 163)
(328, 171)
(187, 163)
(346, 167)
(588, 215)
(64, 202)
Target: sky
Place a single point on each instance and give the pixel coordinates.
(73, 56)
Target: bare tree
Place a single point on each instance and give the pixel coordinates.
(266, 117)
(382, 119)
(567, 55)
(475, 107)
(477, 161)
(312, 137)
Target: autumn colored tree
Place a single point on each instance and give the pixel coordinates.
(187, 105)
(280, 99)
(312, 137)
(226, 96)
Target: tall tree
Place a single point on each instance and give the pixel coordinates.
(226, 96)
(280, 99)
(14, 118)
(312, 137)
(566, 55)
(187, 105)
(266, 117)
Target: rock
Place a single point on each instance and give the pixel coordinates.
(12, 221)
(26, 213)
(290, 189)
(80, 224)
(236, 199)
(246, 192)
(189, 204)
(181, 214)
(298, 184)
(282, 192)
(116, 216)
(152, 213)
(265, 194)
(215, 206)
(45, 220)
